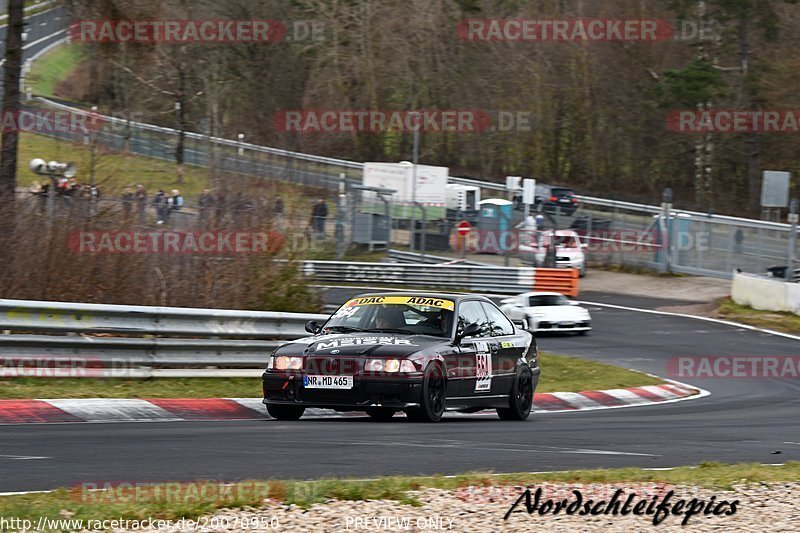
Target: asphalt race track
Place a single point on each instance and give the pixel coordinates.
(742, 420)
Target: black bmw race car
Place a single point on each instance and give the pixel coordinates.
(421, 353)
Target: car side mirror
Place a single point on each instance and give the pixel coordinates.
(519, 324)
(573, 303)
(312, 327)
(584, 245)
(469, 331)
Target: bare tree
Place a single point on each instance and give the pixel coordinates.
(11, 103)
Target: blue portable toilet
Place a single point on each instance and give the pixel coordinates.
(495, 221)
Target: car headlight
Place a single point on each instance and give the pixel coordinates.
(373, 365)
(283, 362)
(389, 366)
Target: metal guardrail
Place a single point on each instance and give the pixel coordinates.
(62, 317)
(49, 332)
(435, 277)
(401, 256)
(206, 138)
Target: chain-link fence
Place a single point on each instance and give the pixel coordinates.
(681, 241)
(613, 233)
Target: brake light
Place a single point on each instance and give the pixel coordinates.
(553, 199)
(574, 200)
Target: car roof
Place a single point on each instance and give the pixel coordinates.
(455, 296)
(527, 294)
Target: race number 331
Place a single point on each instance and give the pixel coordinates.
(483, 372)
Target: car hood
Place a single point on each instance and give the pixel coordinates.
(558, 312)
(360, 344)
(569, 252)
(560, 250)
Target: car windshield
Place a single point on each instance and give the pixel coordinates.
(566, 241)
(557, 191)
(547, 300)
(412, 315)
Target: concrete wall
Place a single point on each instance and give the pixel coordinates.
(764, 293)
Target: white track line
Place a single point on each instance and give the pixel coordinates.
(696, 317)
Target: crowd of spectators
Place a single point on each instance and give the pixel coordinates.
(212, 209)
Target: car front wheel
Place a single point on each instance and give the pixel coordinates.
(432, 397)
(286, 412)
(521, 398)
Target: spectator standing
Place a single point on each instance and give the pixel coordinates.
(160, 203)
(319, 215)
(141, 201)
(127, 201)
(174, 202)
(277, 212)
(206, 205)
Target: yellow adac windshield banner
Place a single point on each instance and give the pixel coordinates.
(410, 300)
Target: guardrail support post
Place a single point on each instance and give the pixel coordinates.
(793, 218)
(666, 230)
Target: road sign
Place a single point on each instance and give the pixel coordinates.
(512, 183)
(528, 191)
(775, 188)
(464, 228)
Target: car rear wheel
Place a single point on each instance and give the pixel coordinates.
(432, 397)
(382, 414)
(285, 412)
(521, 397)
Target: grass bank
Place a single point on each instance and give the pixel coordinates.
(779, 321)
(193, 500)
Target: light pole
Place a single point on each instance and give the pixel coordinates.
(415, 159)
(52, 170)
(94, 154)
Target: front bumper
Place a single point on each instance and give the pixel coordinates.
(570, 263)
(400, 393)
(545, 326)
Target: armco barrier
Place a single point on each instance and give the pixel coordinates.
(433, 277)
(140, 320)
(563, 280)
(472, 278)
(766, 294)
(146, 341)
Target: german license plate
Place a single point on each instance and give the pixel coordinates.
(328, 382)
